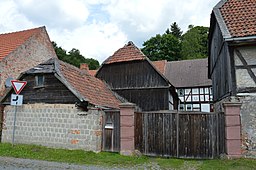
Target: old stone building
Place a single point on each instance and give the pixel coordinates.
(22, 50)
(63, 107)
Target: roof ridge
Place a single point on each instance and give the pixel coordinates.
(129, 52)
(15, 32)
(13, 40)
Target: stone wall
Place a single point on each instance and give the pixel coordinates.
(248, 121)
(34, 51)
(54, 125)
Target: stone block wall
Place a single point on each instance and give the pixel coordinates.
(34, 51)
(54, 125)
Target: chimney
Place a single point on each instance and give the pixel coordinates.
(84, 66)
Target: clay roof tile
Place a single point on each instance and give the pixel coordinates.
(128, 53)
(10, 41)
(240, 17)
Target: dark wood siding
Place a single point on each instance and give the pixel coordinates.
(139, 83)
(131, 74)
(147, 99)
(181, 135)
(53, 91)
(220, 66)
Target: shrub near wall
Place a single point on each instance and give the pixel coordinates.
(54, 125)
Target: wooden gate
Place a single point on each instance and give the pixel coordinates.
(181, 135)
(111, 131)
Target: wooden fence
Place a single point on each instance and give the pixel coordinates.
(170, 133)
(180, 134)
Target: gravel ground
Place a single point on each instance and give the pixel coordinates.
(8, 163)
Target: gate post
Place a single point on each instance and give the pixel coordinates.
(127, 128)
(232, 128)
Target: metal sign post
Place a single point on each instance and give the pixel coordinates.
(14, 122)
(16, 100)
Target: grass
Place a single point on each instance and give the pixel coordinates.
(117, 160)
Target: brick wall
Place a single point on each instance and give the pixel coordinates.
(34, 51)
(54, 125)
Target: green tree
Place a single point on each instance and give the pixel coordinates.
(174, 30)
(162, 47)
(194, 42)
(74, 57)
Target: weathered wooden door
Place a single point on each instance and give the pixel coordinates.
(111, 131)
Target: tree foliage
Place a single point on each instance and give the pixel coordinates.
(172, 45)
(194, 43)
(174, 30)
(162, 47)
(74, 57)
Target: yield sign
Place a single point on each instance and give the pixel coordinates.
(18, 85)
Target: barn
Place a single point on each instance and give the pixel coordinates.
(133, 76)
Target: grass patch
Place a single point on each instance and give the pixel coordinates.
(114, 159)
(69, 156)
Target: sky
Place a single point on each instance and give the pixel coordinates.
(100, 27)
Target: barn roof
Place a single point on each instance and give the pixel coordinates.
(160, 65)
(127, 53)
(10, 41)
(83, 85)
(186, 73)
(237, 18)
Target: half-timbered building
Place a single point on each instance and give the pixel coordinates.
(191, 81)
(132, 75)
(232, 63)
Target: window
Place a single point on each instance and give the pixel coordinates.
(195, 91)
(180, 92)
(196, 107)
(39, 81)
(182, 107)
(195, 98)
(189, 107)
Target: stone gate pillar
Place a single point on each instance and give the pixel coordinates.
(127, 128)
(232, 128)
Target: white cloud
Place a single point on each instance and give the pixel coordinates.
(99, 27)
(97, 40)
(57, 13)
(11, 19)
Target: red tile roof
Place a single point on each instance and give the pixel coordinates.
(10, 41)
(92, 72)
(95, 90)
(128, 53)
(240, 17)
(160, 65)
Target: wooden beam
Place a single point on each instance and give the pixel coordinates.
(245, 65)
